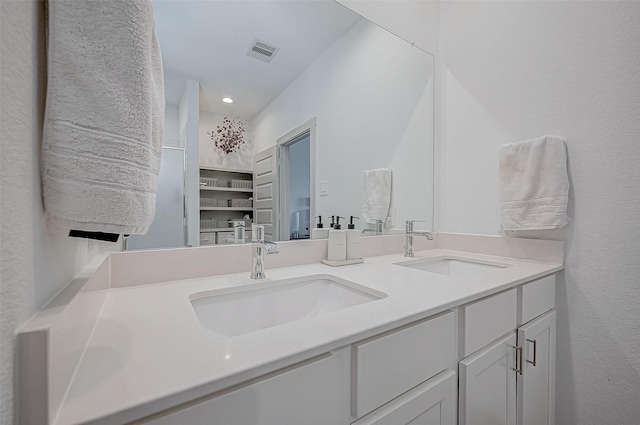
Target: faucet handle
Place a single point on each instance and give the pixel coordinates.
(257, 232)
(409, 224)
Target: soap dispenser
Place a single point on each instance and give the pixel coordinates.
(319, 232)
(353, 241)
(337, 250)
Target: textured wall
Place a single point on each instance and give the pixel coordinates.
(515, 70)
(37, 259)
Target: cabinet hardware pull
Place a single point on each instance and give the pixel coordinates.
(518, 369)
(535, 343)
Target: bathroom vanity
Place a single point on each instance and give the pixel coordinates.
(452, 336)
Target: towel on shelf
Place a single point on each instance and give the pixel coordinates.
(376, 197)
(534, 184)
(104, 115)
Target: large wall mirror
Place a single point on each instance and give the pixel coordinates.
(320, 96)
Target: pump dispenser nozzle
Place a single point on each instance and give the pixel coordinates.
(337, 225)
(333, 221)
(351, 225)
(319, 225)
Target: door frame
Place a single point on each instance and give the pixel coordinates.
(282, 151)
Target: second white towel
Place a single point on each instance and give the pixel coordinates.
(376, 197)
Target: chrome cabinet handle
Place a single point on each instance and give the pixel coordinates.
(518, 350)
(535, 343)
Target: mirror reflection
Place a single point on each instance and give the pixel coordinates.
(275, 113)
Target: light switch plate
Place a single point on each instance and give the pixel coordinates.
(324, 188)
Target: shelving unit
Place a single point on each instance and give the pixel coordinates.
(248, 209)
(215, 197)
(226, 189)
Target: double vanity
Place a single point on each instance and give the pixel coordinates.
(462, 333)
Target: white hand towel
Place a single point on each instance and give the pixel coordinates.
(376, 194)
(534, 185)
(104, 115)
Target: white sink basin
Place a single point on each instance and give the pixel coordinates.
(454, 266)
(235, 311)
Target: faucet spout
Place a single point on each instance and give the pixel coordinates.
(377, 230)
(258, 249)
(409, 234)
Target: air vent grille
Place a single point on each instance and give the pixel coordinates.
(262, 51)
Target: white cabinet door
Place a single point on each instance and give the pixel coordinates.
(488, 385)
(266, 192)
(536, 385)
(430, 403)
(315, 393)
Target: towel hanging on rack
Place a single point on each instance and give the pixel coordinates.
(104, 115)
(376, 197)
(534, 184)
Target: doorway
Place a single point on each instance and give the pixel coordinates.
(296, 183)
(284, 185)
(296, 160)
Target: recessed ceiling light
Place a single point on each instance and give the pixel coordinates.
(227, 100)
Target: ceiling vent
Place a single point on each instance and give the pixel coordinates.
(262, 51)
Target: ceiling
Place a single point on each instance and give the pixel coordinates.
(208, 41)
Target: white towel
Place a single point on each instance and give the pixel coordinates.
(376, 196)
(534, 185)
(104, 115)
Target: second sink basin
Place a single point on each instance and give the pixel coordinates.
(235, 311)
(453, 266)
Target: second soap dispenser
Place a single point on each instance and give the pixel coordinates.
(353, 241)
(337, 250)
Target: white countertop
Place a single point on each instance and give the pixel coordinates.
(149, 352)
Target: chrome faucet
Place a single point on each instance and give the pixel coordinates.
(409, 233)
(376, 231)
(258, 248)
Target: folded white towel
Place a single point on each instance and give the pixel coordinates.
(534, 185)
(376, 194)
(104, 115)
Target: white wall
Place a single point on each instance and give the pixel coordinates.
(171, 134)
(413, 20)
(188, 127)
(371, 96)
(515, 70)
(36, 258)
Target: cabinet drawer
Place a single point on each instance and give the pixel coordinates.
(484, 321)
(314, 393)
(535, 298)
(391, 364)
(432, 402)
(207, 238)
(224, 238)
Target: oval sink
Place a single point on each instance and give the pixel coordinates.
(453, 266)
(236, 311)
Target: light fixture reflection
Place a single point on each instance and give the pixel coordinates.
(227, 100)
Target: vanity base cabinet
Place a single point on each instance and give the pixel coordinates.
(430, 403)
(314, 393)
(487, 393)
(536, 385)
(512, 381)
